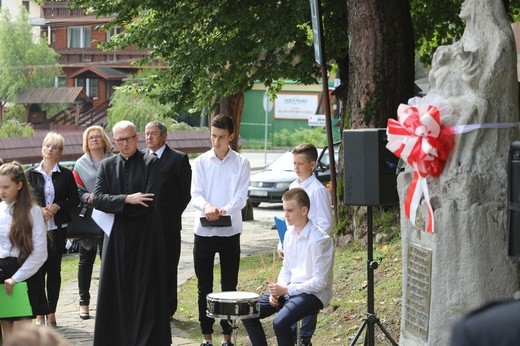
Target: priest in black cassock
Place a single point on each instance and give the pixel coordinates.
(131, 308)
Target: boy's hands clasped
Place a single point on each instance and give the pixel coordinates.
(213, 213)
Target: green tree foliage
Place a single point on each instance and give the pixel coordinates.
(219, 48)
(25, 60)
(15, 111)
(434, 27)
(13, 128)
(126, 104)
(437, 22)
(137, 106)
(286, 138)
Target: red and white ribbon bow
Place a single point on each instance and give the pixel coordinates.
(419, 138)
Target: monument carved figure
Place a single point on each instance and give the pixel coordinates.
(463, 263)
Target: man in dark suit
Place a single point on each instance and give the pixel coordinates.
(174, 197)
(492, 325)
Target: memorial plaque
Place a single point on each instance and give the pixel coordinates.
(418, 289)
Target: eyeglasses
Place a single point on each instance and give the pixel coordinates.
(51, 147)
(127, 139)
(94, 138)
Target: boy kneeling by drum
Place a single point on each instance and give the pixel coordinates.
(305, 281)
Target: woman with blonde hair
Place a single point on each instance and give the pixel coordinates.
(96, 147)
(56, 192)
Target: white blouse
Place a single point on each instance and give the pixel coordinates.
(39, 237)
(49, 192)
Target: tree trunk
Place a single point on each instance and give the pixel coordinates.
(232, 106)
(381, 74)
(381, 60)
(2, 104)
(27, 112)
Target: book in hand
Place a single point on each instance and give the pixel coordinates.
(17, 304)
(223, 221)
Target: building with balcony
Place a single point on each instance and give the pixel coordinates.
(76, 36)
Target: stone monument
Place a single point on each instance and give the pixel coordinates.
(463, 263)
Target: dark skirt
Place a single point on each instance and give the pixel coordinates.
(35, 286)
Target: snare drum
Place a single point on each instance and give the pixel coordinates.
(233, 305)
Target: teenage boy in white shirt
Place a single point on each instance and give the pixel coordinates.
(304, 284)
(219, 187)
(305, 157)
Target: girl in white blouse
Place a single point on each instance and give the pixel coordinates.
(23, 242)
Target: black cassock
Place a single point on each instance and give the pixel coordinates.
(131, 307)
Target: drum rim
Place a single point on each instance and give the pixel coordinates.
(233, 317)
(213, 295)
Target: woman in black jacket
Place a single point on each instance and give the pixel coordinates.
(56, 192)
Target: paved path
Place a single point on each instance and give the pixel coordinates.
(257, 236)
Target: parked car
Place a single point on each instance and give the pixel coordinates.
(268, 185)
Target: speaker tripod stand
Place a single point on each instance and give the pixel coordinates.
(371, 320)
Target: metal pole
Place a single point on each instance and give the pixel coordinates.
(265, 135)
(371, 265)
(326, 106)
(268, 106)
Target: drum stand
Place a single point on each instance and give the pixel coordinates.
(234, 327)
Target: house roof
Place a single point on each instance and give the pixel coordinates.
(51, 95)
(104, 72)
(28, 149)
(76, 21)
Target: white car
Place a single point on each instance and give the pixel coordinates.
(269, 185)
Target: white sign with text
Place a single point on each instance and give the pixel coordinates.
(317, 120)
(295, 106)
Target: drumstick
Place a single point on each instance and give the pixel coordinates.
(265, 271)
(264, 266)
(274, 264)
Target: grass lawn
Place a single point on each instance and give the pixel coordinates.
(337, 323)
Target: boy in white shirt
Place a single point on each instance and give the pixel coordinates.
(305, 157)
(304, 284)
(320, 212)
(218, 188)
